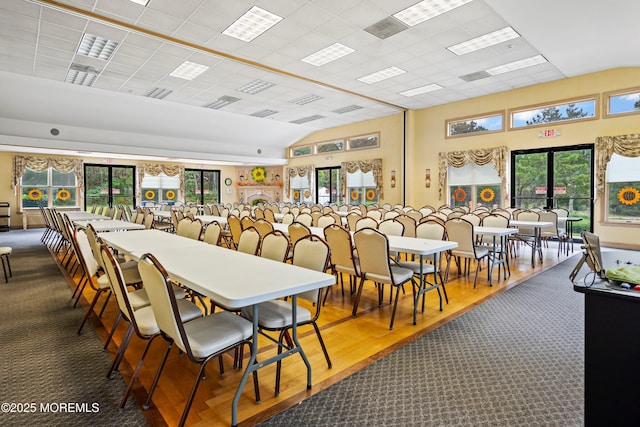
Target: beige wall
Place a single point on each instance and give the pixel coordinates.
(34, 218)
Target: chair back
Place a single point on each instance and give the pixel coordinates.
(527, 216)
(409, 225)
(258, 213)
(297, 231)
(235, 227)
(492, 220)
(373, 254)
(183, 227)
(305, 218)
(269, 216)
(139, 218)
(339, 240)
(375, 214)
(461, 232)
(314, 217)
(275, 246)
(366, 222)
(148, 221)
(431, 230)
(472, 218)
(118, 286)
(326, 220)
(311, 252)
(287, 218)
(163, 301)
(391, 227)
(263, 226)
(194, 230)
(215, 211)
(549, 230)
(249, 241)
(246, 221)
(562, 212)
(94, 244)
(426, 210)
(212, 233)
(416, 215)
(85, 255)
(352, 219)
(455, 214)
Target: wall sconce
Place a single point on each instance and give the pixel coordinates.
(393, 179)
(427, 178)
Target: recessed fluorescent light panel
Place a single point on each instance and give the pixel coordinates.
(158, 93)
(427, 9)
(421, 90)
(378, 76)
(307, 119)
(253, 23)
(306, 99)
(487, 40)
(83, 75)
(255, 87)
(517, 65)
(142, 2)
(188, 70)
(263, 113)
(96, 47)
(223, 101)
(328, 54)
(347, 109)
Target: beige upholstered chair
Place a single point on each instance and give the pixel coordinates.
(235, 229)
(5, 251)
(305, 218)
(375, 214)
(501, 250)
(275, 246)
(391, 227)
(201, 339)
(325, 220)
(194, 229)
(213, 233)
(375, 265)
(365, 222)
(249, 241)
(472, 218)
(297, 231)
(141, 319)
(352, 219)
(269, 216)
(309, 252)
(343, 259)
(246, 221)
(287, 218)
(461, 231)
(263, 226)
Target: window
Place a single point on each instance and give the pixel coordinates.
(158, 189)
(361, 188)
(305, 150)
(622, 102)
(201, 186)
(566, 111)
(300, 189)
(473, 185)
(492, 122)
(48, 188)
(363, 141)
(329, 147)
(328, 185)
(623, 189)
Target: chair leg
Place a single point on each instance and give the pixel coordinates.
(113, 330)
(395, 306)
(134, 377)
(90, 310)
(357, 301)
(120, 353)
(147, 402)
(324, 348)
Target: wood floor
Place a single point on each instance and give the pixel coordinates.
(353, 343)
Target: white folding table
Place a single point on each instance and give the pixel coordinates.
(109, 225)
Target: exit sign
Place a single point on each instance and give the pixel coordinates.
(549, 133)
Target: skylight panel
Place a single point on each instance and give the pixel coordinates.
(378, 76)
(486, 40)
(255, 87)
(420, 90)
(96, 47)
(188, 70)
(517, 65)
(427, 9)
(253, 23)
(328, 54)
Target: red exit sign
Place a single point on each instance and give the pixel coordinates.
(549, 133)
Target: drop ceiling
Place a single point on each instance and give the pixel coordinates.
(209, 118)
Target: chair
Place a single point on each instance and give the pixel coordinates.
(409, 225)
(213, 233)
(263, 226)
(269, 216)
(141, 319)
(5, 251)
(352, 219)
(310, 252)
(246, 221)
(391, 227)
(201, 339)
(342, 256)
(375, 265)
(297, 231)
(235, 229)
(391, 214)
(249, 241)
(325, 220)
(472, 218)
(275, 246)
(552, 231)
(375, 214)
(148, 221)
(527, 234)
(366, 222)
(305, 218)
(287, 218)
(499, 250)
(461, 231)
(314, 217)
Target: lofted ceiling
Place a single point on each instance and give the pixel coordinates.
(209, 119)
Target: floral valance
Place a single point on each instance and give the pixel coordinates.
(20, 163)
(623, 145)
(155, 169)
(308, 170)
(365, 166)
(497, 156)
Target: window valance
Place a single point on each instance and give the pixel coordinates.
(20, 163)
(155, 169)
(623, 145)
(307, 170)
(364, 166)
(497, 156)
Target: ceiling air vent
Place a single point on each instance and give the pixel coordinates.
(347, 109)
(263, 113)
(158, 93)
(307, 119)
(386, 28)
(475, 76)
(223, 101)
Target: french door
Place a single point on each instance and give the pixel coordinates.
(328, 185)
(109, 185)
(557, 177)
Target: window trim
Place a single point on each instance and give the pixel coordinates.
(50, 195)
(593, 97)
(606, 104)
(449, 122)
(605, 208)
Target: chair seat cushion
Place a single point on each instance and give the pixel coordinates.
(138, 299)
(400, 275)
(5, 250)
(415, 267)
(276, 314)
(213, 333)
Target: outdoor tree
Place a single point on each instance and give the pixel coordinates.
(467, 127)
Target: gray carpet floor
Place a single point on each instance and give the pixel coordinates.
(516, 360)
(42, 359)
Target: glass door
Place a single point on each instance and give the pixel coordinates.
(201, 186)
(328, 185)
(558, 177)
(109, 185)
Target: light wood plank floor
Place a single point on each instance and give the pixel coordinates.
(353, 343)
